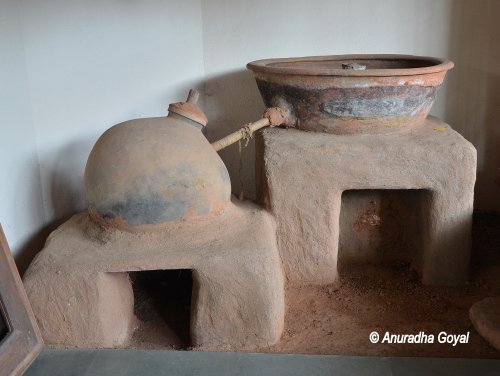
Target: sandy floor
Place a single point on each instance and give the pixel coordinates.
(337, 319)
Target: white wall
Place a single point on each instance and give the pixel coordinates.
(75, 68)
(93, 64)
(71, 69)
(21, 209)
(473, 100)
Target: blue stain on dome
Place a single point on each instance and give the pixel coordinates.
(163, 197)
(224, 174)
(151, 208)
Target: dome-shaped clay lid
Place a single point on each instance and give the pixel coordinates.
(148, 172)
(189, 109)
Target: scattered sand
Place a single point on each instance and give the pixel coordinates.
(337, 319)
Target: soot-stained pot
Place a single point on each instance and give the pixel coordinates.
(350, 94)
(144, 173)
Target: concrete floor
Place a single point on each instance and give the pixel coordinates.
(151, 362)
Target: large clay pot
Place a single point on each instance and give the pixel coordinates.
(144, 173)
(349, 94)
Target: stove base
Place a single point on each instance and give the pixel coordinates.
(82, 296)
(301, 177)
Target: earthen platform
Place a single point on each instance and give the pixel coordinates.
(82, 295)
(301, 177)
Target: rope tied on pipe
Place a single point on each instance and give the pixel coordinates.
(246, 134)
(273, 116)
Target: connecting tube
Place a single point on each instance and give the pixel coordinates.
(273, 116)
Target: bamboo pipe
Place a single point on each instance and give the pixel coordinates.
(245, 131)
(272, 116)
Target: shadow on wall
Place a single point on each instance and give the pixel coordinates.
(33, 245)
(67, 195)
(67, 198)
(25, 252)
(231, 101)
(473, 95)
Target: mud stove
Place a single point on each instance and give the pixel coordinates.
(159, 199)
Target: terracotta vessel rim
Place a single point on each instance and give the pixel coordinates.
(435, 65)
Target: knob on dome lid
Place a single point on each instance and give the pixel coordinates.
(189, 109)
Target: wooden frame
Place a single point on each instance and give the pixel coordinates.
(23, 342)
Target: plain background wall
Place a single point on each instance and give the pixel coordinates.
(473, 95)
(71, 69)
(93, 64)
(21, 205)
